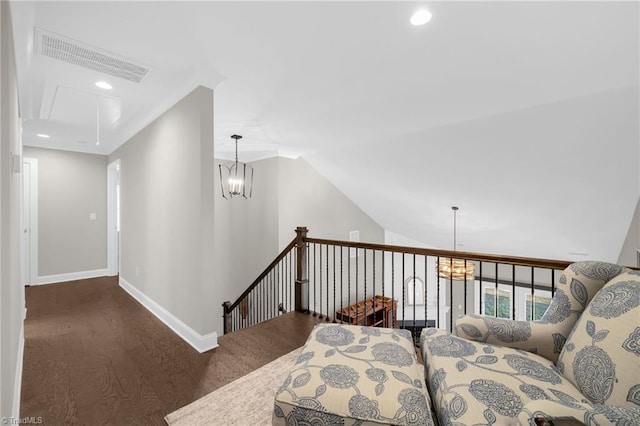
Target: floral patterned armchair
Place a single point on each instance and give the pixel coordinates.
(581, 360)
(577, 286)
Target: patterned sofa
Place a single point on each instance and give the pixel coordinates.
(581, 360)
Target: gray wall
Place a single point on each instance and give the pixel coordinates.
(287, 193)
(71, 185)
(11, 290)
(629, 253)
(186, 247)
(307, 198)
(246, 233)
(166, 174)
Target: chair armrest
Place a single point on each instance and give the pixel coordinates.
(542, 338)
(589, 414)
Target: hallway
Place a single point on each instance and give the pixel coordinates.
(93, 355)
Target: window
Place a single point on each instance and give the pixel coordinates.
(541, 305)
(414, 291)
(504, 302)
(512, 297)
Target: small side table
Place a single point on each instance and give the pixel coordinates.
(415, 327)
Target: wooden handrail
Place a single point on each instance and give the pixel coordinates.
(301, 279)
(484, 257)
(229, 307)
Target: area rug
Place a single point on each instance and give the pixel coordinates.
(245, 401)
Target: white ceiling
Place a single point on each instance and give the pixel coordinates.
(525, 114)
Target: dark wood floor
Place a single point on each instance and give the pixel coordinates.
(94, 356)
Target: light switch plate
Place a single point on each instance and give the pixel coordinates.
(92, 216)
(17, 163)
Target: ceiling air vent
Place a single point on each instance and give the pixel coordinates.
(81, 54)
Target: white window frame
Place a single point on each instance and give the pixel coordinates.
(407, 287)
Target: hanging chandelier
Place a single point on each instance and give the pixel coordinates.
(236, 178)
(455, 269)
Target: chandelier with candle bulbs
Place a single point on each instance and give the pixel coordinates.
(236, 178)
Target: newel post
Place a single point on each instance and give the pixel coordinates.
(226, 309)
(302, 281)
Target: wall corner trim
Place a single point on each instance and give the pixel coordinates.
(17, 385)
(196, 340)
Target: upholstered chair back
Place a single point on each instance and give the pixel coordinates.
(577, 285)
(602, 355)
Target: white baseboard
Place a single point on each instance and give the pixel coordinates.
(72, 276)
(17, 385)
(196, 340)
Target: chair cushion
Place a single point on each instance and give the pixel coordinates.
(602, 355)
(478, 383)
(354, 375)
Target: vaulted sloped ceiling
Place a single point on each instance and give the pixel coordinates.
(525, 114)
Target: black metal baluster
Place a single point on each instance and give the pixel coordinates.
(375, 312)
(480, 292)
(465, 286)
(404, 298)
(365, 286)
(327, 313)
(438, 291)
(495, 307)
(451, 294)
(553, 282)
(357, 281)
(349, 279)
(426, 289)
(513, 291)
(383, 275)
(414, 295)
(533, 296)
(334, 283)
(393, 281)
(320, 283)
(315, 311)
(341, 284)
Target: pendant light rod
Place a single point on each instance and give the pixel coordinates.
(455, 212)
(236, 137)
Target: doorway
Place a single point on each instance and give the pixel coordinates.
(29, 221)
(113, 218)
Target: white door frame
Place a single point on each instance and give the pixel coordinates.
(29, 258)
(113, 237)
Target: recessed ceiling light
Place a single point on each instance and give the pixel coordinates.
(421, 17)
(42, 135)
(104, 85)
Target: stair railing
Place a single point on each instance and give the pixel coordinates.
(360, 283)
(270, 295)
